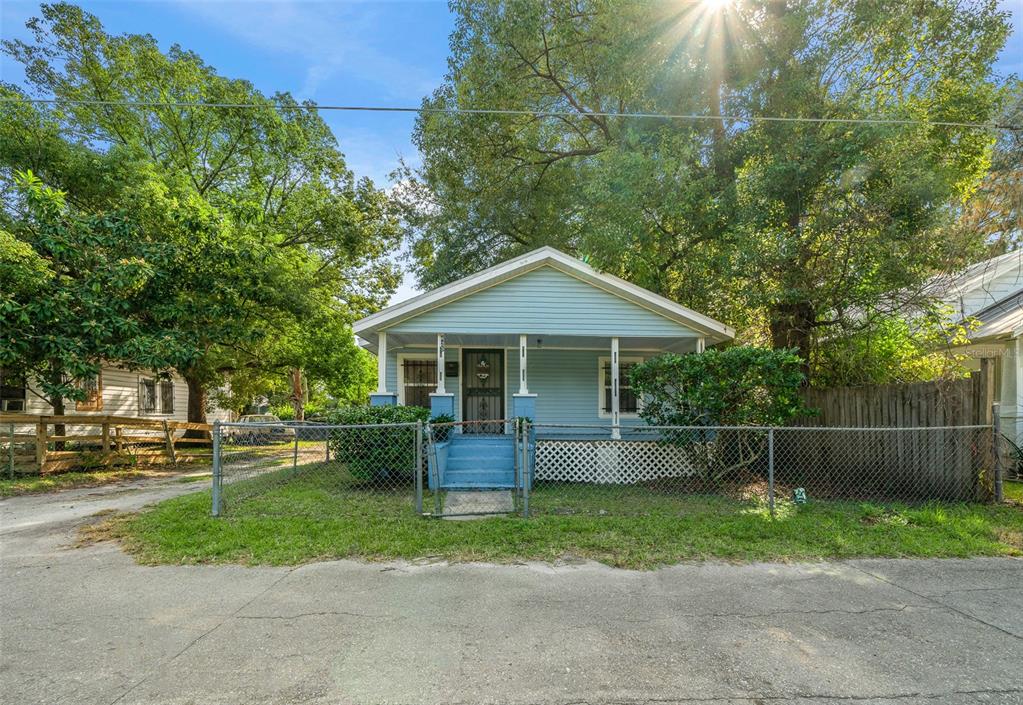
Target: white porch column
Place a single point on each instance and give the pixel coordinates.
(701, 344)
(440, 364)
(615, 400)
(523, 386)
(382, 363)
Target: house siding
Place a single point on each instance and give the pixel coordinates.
(544, 301)
(988, 291)
(121, 398)
(565, 382)
(566, 385)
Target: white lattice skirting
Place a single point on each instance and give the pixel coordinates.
(607, 462)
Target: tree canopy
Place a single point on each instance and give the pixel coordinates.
(795, 232)
(274, 245)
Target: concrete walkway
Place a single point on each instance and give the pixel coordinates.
(88, 626)
(472, 504)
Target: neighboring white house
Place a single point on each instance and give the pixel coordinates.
(991, 293)
(113, 392)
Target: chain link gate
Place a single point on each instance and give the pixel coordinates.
(475, 468)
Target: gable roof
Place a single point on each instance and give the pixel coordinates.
(1001, 319)
(713, 330)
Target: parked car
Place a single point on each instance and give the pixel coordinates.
(266, 428)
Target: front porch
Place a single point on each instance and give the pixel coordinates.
(480, 380)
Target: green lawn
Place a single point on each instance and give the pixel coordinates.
(36, 484)
(1013, 490)
(320, 516)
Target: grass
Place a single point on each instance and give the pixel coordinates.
(318, 515)
(1013, 490)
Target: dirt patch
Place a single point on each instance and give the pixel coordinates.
(109, 527)
(1011, 538)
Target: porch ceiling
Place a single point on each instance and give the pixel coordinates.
(546, 342)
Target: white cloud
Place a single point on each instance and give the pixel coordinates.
(331, 38)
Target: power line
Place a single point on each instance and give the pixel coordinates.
(510, 111)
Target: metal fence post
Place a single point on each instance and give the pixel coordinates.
(217, 469)
(294, 459)
(432, 440)
(517, 496)
(996, 428)
(770, 469)
(419, 467)
(525, 469)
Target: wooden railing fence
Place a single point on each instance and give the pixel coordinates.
(34, 444)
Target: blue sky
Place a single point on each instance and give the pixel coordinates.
(341, 52)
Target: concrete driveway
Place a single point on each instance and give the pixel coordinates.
(89, 626)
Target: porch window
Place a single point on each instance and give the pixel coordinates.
(12, 391)
(419, 380)
(628, 402)
(93, 388)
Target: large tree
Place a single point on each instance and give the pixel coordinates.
(240, 190)
(78, 289)
(794, 231)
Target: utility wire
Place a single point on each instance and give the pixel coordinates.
(508, 111)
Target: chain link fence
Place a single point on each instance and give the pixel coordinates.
(316, 470)
(515, 467)
(598, 469)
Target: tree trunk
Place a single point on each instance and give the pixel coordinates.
(196, 404)
(57, 404)
(791, 324)
(297, 396)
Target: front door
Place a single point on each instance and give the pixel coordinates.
(483, 390)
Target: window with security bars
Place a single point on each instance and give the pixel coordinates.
(93, 388)
(167, 396)
(156, 396)
(147, 400)
(419, 380)
(628, 402)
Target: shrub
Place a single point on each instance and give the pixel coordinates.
(740, 386)
(442, 431)
(385, 454)
(361, 415)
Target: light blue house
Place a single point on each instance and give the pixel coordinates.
(543, 336)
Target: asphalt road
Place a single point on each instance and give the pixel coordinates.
(89, 626)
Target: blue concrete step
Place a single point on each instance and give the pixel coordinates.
(478, 479)
(482, 444)
(497, 451)
(480, 463)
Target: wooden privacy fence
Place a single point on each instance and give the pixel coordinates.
(944, 450)
(45, 444)
(957, 402)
